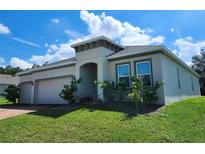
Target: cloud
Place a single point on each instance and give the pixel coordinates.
(46, 45)
(16, 62)
(55, 52)
(187, 48)
(55, 20)
(2, 61)
(25, 42)
(122, 32)
(172, 30)
(137, 36)
(126, 33)
(73, 34)
(4, 29)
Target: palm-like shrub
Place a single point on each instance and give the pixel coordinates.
(68, 93)
(112, 91)
(11, 93)
(141, 94)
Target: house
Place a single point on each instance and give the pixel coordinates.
(100, 59)
(6, 80)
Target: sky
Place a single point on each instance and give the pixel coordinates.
(34, 37)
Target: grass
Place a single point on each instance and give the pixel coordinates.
(4, 101)
(183, 121)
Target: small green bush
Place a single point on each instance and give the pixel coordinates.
(68, 93)
(11, 93)
(141, 94)
(112, 91)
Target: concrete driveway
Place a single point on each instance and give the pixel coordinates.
(7, 111)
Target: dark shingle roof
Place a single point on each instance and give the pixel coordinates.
(134, 50)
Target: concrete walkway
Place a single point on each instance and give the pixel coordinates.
(7, 111)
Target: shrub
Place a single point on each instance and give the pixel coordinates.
(68, 93)
(141, 94)
(11, 93)
(112, 91)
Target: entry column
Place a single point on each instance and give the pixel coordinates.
(100, 78)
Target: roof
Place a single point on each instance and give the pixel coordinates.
(95, 39)
(149, 49)
(126, 51)
(9, 79)
(133, 50)
(54, 65)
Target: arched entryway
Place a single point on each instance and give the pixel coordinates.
(88, 74)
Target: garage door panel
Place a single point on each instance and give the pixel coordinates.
(48, 90)
(25, 96)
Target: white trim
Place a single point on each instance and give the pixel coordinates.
(141, 63)
(150, 74)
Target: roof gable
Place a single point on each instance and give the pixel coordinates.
(101, 41)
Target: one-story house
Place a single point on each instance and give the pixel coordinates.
(101, 59)
(6, 80)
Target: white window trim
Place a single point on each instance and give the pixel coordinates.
(118, 76)
(136, 63)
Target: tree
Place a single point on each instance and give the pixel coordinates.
(136, 92)
(11, 93)
(34, 66)
(10, 70)
(199, 66)
(68, 93)
(141, 94)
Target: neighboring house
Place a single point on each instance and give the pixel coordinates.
(6, 80)
(103, 59)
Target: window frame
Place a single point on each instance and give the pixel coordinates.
(179, 79)
(117, 71)
(150, 66)
(192, 83)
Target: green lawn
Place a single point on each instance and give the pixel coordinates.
(180, 122)
(4, 101)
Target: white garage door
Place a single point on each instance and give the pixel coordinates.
(25, 96)
(47, 91)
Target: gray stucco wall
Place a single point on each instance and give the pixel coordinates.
(6, 80)
(9, 79)
(2, 88)
(47, 76)
(156, 69)
(97, 56)
(62, 71)
(163, 69)
(171, 90)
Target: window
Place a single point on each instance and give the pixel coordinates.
(143, 69)
(192, 84)
(123, 73)
(178, 79)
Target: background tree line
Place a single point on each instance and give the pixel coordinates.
(10, 70)
(13, 70)
(199, 66)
